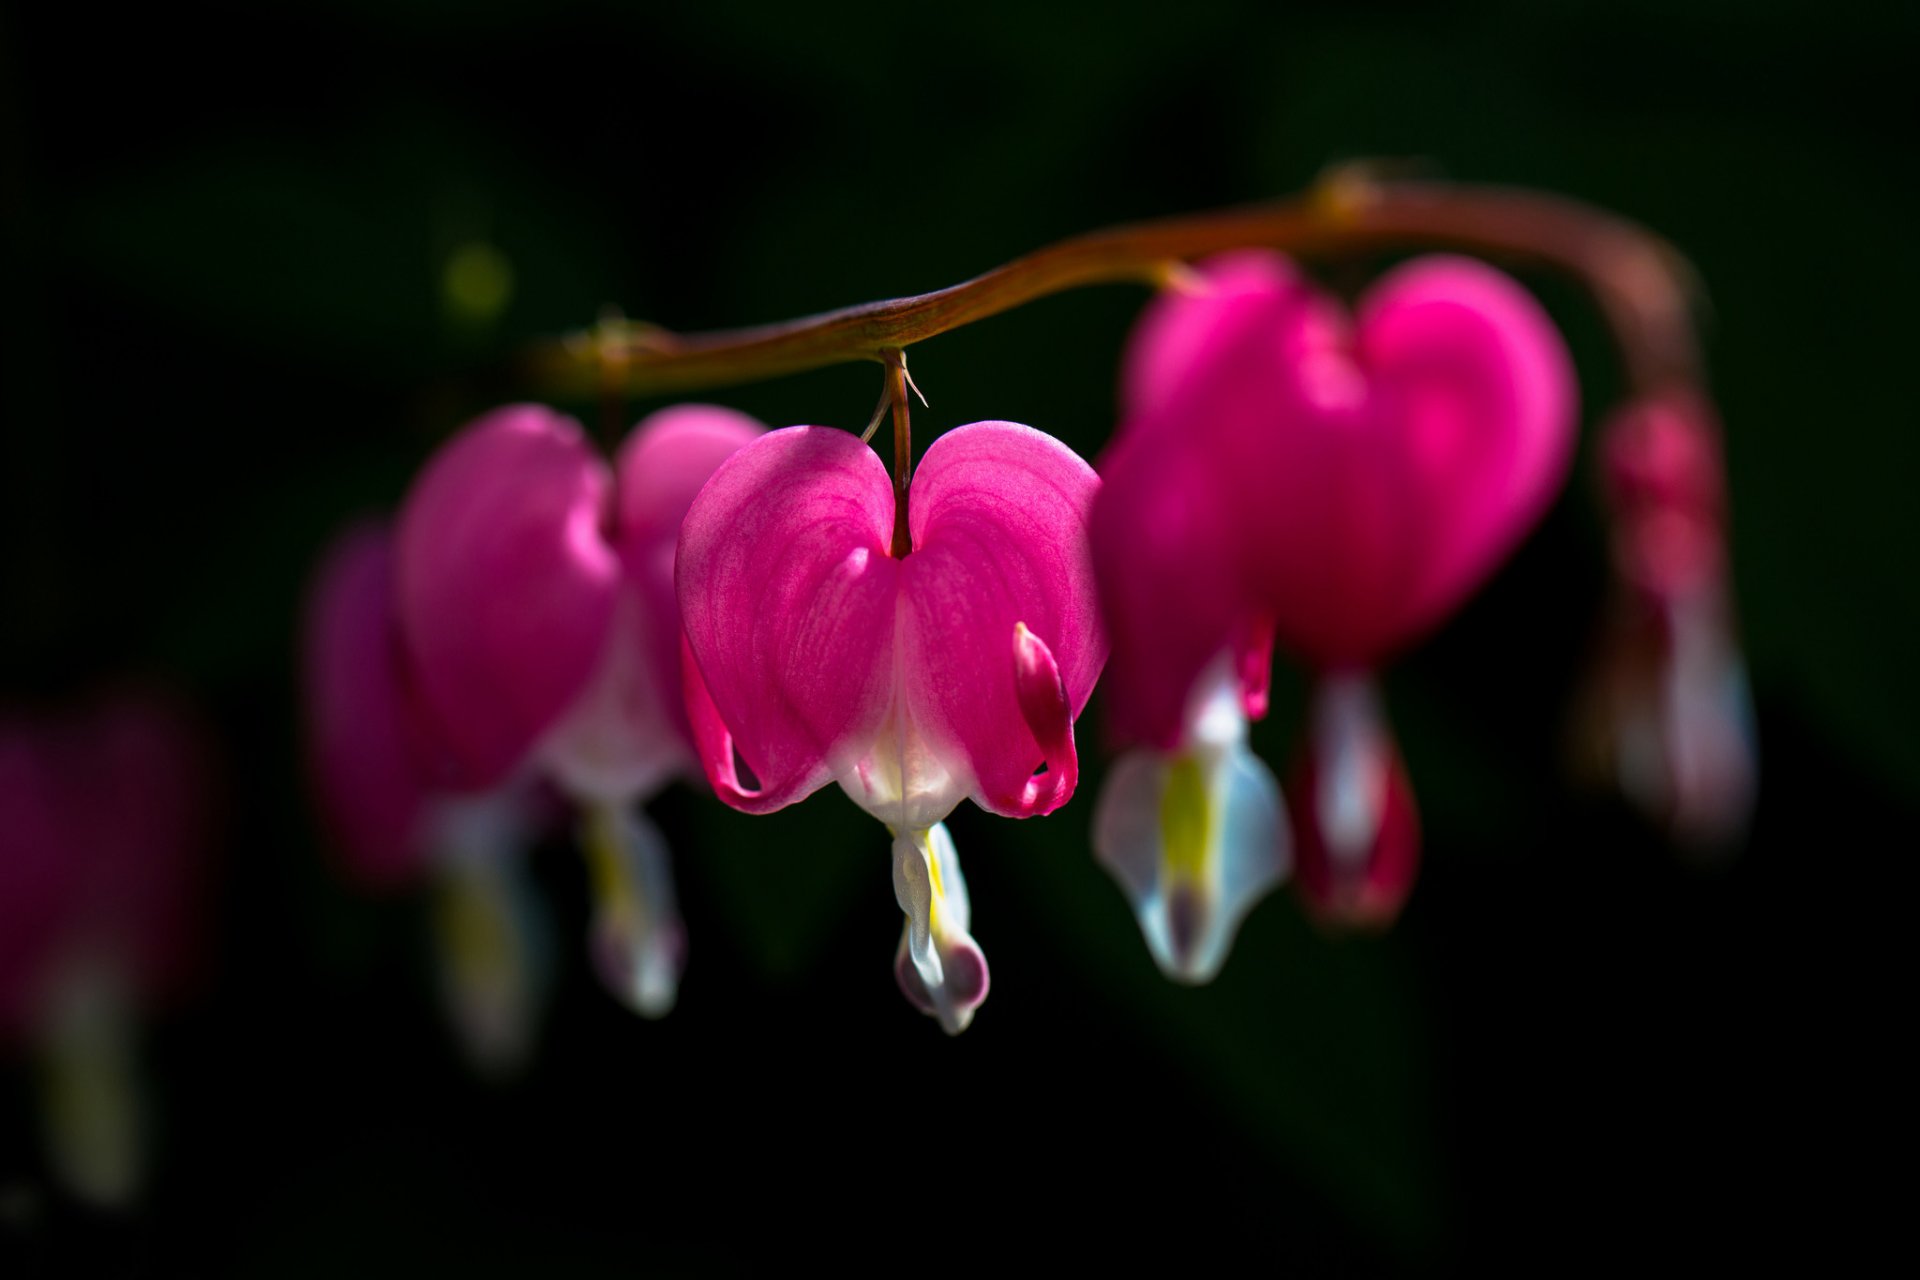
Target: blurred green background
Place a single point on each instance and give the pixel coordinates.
(229, 234)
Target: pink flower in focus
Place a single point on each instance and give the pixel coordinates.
(1338, 486)
(954, 672)
(104, 827)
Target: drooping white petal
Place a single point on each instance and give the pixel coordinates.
(639, 943)
(940, 968)
(1708, 734)
(89, 1082)
(493, 943)
(617, 742)
(913, 890)
(1195, 837)
(1350, 789)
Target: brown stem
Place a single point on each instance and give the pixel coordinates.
(613, 382)
(896, 362)
(1642, 285)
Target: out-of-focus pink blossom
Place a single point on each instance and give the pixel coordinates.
(954, 672)
(372, 756)
(1337, 486)
(400, 813)
(1669, 712)
(104, 823)
(535, 592)
(519, 629)
(105, 819)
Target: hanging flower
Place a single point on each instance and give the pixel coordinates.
(400, 811)
(1340, 486)
(104, 825)
(1669, 713)
(953, 672)
(534, 639)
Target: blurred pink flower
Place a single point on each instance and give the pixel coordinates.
(954, 672)
(1669, 712)
(535, 593)
(401, 813)
(521, 629)
(105, 818)
(1338, 486)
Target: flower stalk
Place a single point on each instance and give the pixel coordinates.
(896, 362)
(1642, 285)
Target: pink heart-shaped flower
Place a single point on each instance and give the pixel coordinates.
(534, 590)
(955, 671)
(1348, 483)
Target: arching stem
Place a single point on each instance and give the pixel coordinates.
(1641, 284)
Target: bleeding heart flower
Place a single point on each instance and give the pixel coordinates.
(535, 593)
(104, 824)
(521, 630)
(954, 672)
(1668, 712)
(1285, 474)
(400, 811)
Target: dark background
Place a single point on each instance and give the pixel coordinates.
(226, 228)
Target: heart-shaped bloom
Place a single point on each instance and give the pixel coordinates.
(400, 811)
(955, 671)
(104, 819)
(1339, 486)
(533, 637)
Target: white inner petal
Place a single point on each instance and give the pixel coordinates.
(638, 941)
(615, 743)
(1195, 837)
(1351, 754)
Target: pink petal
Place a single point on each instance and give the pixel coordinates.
(788, 599)
(998, 514)
(105, 818)
(1049, 715)
(39, 876)
(1665, 485)
(1170, 586)
(362, 753)
(140, 791)
(506, 582)
(1253, 665)
(1351, 489)
(1477, 382)
(1182, 325)
(665, 461)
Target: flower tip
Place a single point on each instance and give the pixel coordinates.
(639, 943)
(1357, 830)
(962, 987)
(939, 967)
(646, 977)
(1195, 838)
(1360, 887)
(1184, 955)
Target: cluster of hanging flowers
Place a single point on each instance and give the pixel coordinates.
(763, 613)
